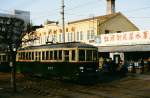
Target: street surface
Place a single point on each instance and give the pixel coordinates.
(131, 86)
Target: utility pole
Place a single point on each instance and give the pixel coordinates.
(63, 20)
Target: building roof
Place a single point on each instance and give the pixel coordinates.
(102, 19)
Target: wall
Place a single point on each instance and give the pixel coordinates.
(118, 23)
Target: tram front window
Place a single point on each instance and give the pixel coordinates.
(81, 55)
(94, 55)
(89, 55)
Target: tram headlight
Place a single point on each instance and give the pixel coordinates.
(81, 69)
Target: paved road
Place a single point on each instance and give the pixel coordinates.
(132, 86)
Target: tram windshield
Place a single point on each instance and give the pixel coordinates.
(87, 55)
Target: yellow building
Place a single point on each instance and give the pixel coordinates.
(85, 30)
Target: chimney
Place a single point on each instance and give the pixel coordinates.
(110, 6)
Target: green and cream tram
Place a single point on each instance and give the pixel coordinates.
(73, 59)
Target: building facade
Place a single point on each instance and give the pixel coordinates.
(85, 30)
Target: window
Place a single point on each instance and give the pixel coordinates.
(69, 37)
(23, 55)
(36, 56)
(81, 55)
(51, 55)
(78, 37)
(19, 55)
(39, 54)
(107, 31)
(73, 55)
(90, 34)
(81, 35)
(0, 58)
(32, 53)
(26, 58)
(4, 58)
(29, 55)
(47, 55)
(3, 28)
(60, 37)
(55, 55)
(66, 55)
(118, 31)
(94, 55)
(60, 55)
(89, 55)
(43, 55)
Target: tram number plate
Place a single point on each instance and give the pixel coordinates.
(50, 68)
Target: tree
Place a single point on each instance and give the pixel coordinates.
(11, 34)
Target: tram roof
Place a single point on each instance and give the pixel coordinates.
(60, 45)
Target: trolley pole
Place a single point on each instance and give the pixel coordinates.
(63, 20)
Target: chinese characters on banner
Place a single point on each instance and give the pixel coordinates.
(126, 38)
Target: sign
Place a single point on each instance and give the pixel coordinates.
(125, 38)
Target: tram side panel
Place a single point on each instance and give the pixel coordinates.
(84, 63)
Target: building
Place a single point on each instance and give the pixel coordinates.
(131, 47)
(85, 30)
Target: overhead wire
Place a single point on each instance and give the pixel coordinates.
(75, 7)
(133, 10)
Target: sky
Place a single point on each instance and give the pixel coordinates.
(137, 11)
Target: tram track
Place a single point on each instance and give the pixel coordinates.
(52, 87)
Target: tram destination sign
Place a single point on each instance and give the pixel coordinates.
(125, 38)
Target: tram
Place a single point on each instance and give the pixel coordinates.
(4, 65)
(71, 60)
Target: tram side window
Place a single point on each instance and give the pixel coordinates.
(29, 55)
(39, 54)
(51, 55)
(66, 55)
(0, 59)
(19, 55)
(89, 55)
(60, 55)
(36, 56)
(43, 55)
(81, 55)
(32, 53)
(23, 55)
(47, 55)
(73, 55)
(26, 56)
(4, 58)
(55, 55)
